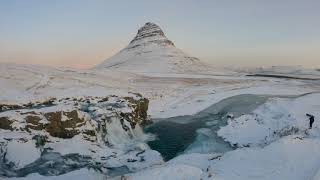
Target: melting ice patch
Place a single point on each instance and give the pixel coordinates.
(207, 141)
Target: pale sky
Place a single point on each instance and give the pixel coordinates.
(83, 33)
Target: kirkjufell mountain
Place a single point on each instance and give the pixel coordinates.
(152, 51)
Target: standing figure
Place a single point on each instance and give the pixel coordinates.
(311, 118)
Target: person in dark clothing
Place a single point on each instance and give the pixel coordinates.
(311, 118)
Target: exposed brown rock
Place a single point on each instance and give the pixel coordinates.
(139, 114)
(30, 112)
(49, 102)
(72, 123)
(33, 123)
(5, 123)
(4, 107)
(63, 129)
(103, 99)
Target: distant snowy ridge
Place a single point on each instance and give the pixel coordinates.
(298, 72)
(152, 51)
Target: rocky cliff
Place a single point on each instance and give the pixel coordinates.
(93, 131)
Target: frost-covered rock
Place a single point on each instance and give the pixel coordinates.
(150, 33)
(97, 132)
(66, 118)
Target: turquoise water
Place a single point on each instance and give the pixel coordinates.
(198, 133)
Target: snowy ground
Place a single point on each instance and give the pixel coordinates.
(273, 141)
(169, 94)
(82, 174)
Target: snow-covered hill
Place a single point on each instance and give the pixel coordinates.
(152, 51)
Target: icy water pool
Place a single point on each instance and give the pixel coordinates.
(198, 133)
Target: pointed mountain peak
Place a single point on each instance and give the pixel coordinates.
(150, 29)
(151, 51)
(150, 33)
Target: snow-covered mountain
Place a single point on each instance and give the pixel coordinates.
(152, 51)
(63, 123)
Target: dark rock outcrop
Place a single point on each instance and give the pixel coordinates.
(139, 115)
(5, 123)
(63, 129)
(68, 123)
(150, 33)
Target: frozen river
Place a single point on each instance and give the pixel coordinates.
(198, 133)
